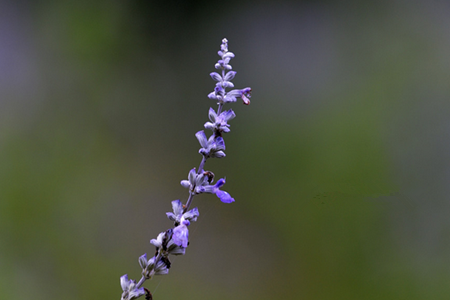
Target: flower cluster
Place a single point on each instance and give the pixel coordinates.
(224, 80)
(200, 183)
(174, 241)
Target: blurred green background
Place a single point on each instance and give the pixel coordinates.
(340, 166)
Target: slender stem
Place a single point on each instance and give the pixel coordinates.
(188, 202)
(202, 164)
(219, 110)
(141, 282)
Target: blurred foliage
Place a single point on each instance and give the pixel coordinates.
(339, 167)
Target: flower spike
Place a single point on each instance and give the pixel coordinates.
(175, 240)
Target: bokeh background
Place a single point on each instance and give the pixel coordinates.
(340, 166)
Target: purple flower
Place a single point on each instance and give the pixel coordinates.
(224, 80)
(218, 94)
(190, 183)
(196, 182)
(212, 147)
(191, 215)
(178, 214)
(244, 94)
(169, 247)
(215, 189)
(177, 208)
(224, 196)
(181, 234)
(160, 268)
(129, 288)
(225, 55)
(219, 122)
(200, 183)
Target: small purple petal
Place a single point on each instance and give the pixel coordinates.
(191, 215)
(159, 240)
(199, 189)
(219, 183)
(177, 207)
(143, 261)
(218, 154)
(219, 89)
(212, 115)
(192, 176)
(229, 97)
(228, 55)
(209, 125)
(124, 282)
(230, 75)
(220, 143)
(185, 184)
(181, 235)
(136, 293)
(212, 96)
(171, 216)
(215, 76)
(202, 138)
(227, 115)
(224, 196)
(227, 84)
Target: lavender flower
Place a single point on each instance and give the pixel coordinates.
(181, 234)
(174, 241)
(212, 147)
(219, 123)
(130, 290)
(196, 182)
(244, 94)
(215, 189)
(177, 216)
(166, 245)
(200, 183)
(161, 267)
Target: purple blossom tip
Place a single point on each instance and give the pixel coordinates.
(224, 196)
(219, 183)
